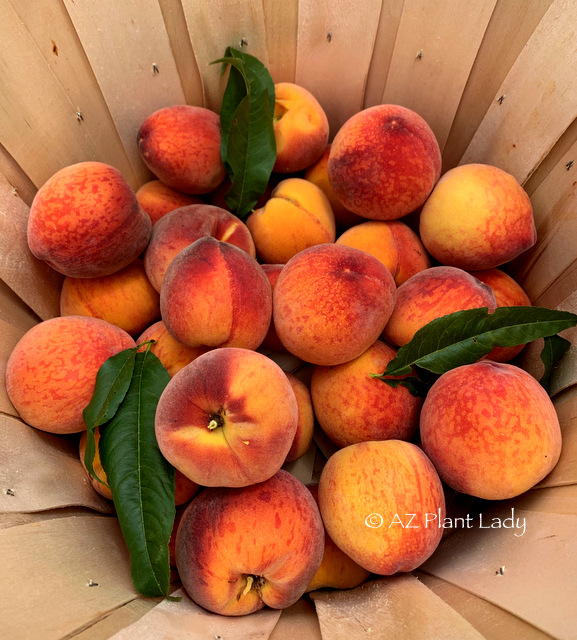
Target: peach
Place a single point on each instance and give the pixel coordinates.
(431, 294)
(271, 340)
(298, 215)
(173, 355)
(51, 373)
(337, 570)
(395, 244)
(490, 429)
(351, 407)
(508, 293)
(156, 199)
(216, 295)
(228, 418)
(301, 128)
(384, 162)
(306, 419)
(478, 217)
(124, 298)
(318, 175)
(184, 489)
(383, 505)
(331, 303)
(180, 144)
(238, 550)
(181, 227)
(85, 221)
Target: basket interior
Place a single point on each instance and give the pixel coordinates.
(496, 81)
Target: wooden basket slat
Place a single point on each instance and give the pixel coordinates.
(492, 621)
(566, 142)
(399, 604)
(175, 23)
(281, 26)
(564, 285)
(432, 85)
(389, 20)
(510, 26)
(12, 172)
(535, 564)
(122, 42)
(31, 279)
(10, 335)
(56, 39)
(43, 471)
(57, 561)
(337, 36)
(555, 209)
(540, 98)
(14, 311)
(565, 473)
(561, 499)
(39, 126)
(247, 25)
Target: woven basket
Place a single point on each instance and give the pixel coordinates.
(496, 81)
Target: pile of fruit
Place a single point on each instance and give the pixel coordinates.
(353, 248)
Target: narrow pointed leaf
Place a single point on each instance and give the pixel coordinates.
(466, 336)
(141, 480)
(248, 147)
(112, 382)
(553, 350)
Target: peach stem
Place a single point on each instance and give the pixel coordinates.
(248, 587)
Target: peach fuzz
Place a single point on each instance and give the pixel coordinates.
(228, 418)
(51, 373)
(298, 215)
(184, 489)
(222, 573)
(85, 221)
(318, 175)
(301, 128)
(271, 340)
(125, 298)
(181, 227)
(337, 570)
(156, 199)
(508, 293)
(431, 294)
(306, 419)
(477, 217)
(490, 429)
(368, 493)
(180, 144)
(173, 355)
(216, 295)
(392, 242)
(351, 407)
(331, 303)
(384, 162)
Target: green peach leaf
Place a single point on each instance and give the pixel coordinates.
(141, 480)
(112, 382)
(248, 146)
(464, 337)
(554, 348)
